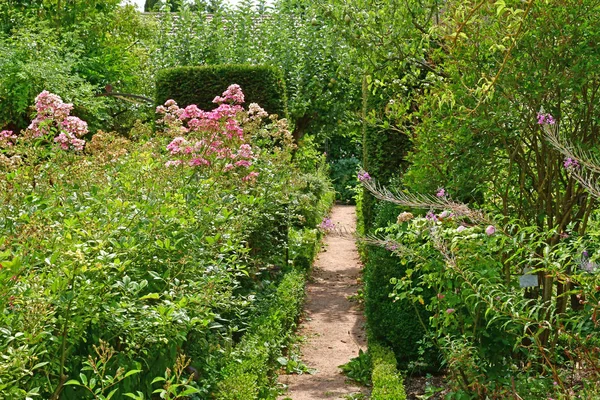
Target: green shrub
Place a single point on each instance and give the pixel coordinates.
(253, 363)
(387, 382)
(197, 85)
(343, 175)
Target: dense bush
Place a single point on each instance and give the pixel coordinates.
(137, 254)
(74, 49)
(197, 85)
(251, 369)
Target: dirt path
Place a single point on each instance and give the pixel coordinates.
(333, 326)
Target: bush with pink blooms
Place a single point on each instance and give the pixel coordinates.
(138, 254)
(216, 141)
(53, 121)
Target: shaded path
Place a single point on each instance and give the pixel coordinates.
(332, 325)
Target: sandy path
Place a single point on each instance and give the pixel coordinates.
(332, 325)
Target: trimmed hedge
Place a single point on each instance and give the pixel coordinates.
(387, 382)
(197, 85)
(250, 375)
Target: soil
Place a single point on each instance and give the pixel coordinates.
(333, 325)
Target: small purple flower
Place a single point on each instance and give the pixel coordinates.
(441, 192)
(327, 225)
(450, 310)
(364, 176)
(392, 246)
(545, 119)
(431, 216)
(446, 214)
(585, 254)
(490, 230)
(570, 163)
(460, 229)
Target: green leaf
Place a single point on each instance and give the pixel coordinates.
(132, 372)
(188, 391)
(157, 379)
(282, 360)
(150, 296)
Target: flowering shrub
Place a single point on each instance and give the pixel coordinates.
(53, 120)
(213, 140)
(486, 318)
(7, 138)
(111, 246)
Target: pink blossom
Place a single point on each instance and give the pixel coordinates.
(450, 310)
(233, 94)
(441, 192)
(245, 151)
(440, 296)
(251, 177)
(53, 116)
(364, 176)
(191, 111)
(327, 225)
(460, 228)
(173, 163)
(490, 230)
(75, 126)
(7, 138)
(199, 161)
(545, 119)
(570, 163)
(431, 216)
(243, 163)
(446, 214)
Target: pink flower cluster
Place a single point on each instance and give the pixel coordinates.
(7, 138)
(364, 176)
(571, 163)
(212, 138)
(53, 117)
(545, 119)
(233, 94)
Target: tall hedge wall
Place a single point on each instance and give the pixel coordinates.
(197, 85)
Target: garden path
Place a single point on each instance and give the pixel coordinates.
(333, 326)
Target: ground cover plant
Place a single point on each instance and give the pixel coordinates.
(135, 266)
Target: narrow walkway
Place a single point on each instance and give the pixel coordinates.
(333, 326)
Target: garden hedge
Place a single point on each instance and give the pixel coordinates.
(387, 382)
(198, 84)
(250, 373)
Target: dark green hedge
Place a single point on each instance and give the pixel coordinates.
(394, 324)
(199, 85)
